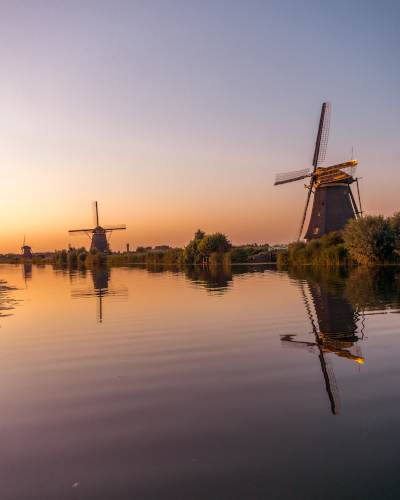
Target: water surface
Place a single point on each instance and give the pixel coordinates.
(166, 382)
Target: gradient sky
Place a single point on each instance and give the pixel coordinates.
(175, 115)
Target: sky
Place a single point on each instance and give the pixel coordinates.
(176, 115)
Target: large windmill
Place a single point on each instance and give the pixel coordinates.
(334, 203)
(98, 235)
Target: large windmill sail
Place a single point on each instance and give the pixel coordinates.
(297, 175)
(321, 143)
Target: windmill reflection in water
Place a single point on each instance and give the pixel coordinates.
(102, 288)
(335, 334)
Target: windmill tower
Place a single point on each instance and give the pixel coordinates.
(334, 203)
(26, 250)
(98, 235)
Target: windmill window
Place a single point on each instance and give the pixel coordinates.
(319, 213)
(344, 191)
(323, 203)
(316, 230)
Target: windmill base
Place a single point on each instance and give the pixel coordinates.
(331, 210)
(99, 241)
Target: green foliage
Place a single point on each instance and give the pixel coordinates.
(333, 238)
(238, 255)
(72, 257)
(191, 251)
(327, 250)
(212, 243)
(199, 234)
(394, 222)
(171, 256)
(82, 257)
(371, 239)
(216, 258)
(96, 257)
(140, 249)
(59, 257)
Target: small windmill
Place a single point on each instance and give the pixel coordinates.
(98, 235)
(26, 250)
(334, 203)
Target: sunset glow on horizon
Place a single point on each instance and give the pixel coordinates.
(176, 116)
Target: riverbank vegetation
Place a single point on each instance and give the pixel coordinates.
(203, 248)
(368, 240)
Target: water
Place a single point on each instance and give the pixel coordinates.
(184, 383)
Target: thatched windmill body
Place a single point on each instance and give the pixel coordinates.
(99, 235)
(334, 203)
(26, 251)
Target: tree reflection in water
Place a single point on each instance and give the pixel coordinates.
(217, 280)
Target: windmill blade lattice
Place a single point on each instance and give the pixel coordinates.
(95, 213)
(79, 232)
(286, 177)
(114, 226)
(323, 135)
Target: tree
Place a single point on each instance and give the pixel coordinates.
(394, 222)
(191, 251)
(331, 239)
(199, 234)
(238, 255)
(211, 243)
(370, 239)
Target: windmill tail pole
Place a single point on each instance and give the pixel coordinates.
(303, 218)
(359, 197)
(357, 212)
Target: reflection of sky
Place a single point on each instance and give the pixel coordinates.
(176, 115)
(189, 393)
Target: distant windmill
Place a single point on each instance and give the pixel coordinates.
(26, 250)
(98, 236)
(334, 203)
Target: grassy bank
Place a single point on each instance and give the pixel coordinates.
(330, 249)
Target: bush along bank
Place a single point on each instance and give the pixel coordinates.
(330, 249)
(368, 240)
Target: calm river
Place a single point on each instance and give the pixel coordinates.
(149, 382)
